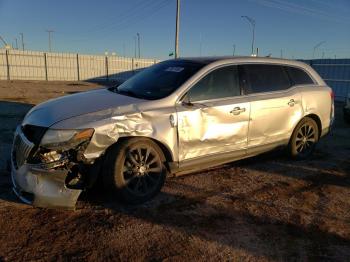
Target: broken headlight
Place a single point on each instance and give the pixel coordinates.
(65, 139)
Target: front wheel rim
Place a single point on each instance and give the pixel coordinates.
(305, 139)
(142, 170)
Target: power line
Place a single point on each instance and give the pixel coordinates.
(128, 20)
(299, 9)
(2, 40)
(124, 14)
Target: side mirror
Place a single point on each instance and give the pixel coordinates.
(186, 100)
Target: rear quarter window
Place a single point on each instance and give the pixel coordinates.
(258, 78)
(299, 76)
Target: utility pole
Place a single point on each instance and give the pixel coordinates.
(317, 46)
(177, 28)
(234, 49)
(50, 31)
(22, 40)
(281, 53)
(138, 43)
(251, 21)
(16, 43)
(200, 44)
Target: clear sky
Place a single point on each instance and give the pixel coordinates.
(213, 26)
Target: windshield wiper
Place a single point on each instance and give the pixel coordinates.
(124, 92)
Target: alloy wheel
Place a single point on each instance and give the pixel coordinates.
(305, 139)
(142, 170)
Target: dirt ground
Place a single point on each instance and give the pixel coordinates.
(267, 208)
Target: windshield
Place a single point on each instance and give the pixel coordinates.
(160, 80)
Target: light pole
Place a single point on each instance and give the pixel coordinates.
(200, 44)
(138, 43)
(317, 46)
(22, 40)
(177, 28)
(135, 47)
(251, 21)
(234, 49)
(50, 31)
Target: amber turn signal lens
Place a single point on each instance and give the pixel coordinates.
(84, 134)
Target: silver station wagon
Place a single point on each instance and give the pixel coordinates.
(175, 117)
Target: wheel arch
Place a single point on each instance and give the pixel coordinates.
(317, 119)
(165, 149)
(313, 117)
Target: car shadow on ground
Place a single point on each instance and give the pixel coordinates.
(262, 227)
(259, 235)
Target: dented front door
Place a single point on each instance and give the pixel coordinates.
(216, 118)
(213, 127)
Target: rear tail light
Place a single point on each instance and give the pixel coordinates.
(332, 95)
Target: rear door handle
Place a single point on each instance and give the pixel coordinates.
(237, 111)
(291, 102)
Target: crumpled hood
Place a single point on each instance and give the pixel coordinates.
(56, 110)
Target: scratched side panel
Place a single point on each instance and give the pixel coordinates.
(127, 121)
(317, 100)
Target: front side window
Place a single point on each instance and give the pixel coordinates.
(220, 83)
(298, 76)
(258, 78)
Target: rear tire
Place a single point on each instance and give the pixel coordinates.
(135, 170)
(304, 139)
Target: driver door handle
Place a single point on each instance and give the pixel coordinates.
(291, 102)
(237, 111)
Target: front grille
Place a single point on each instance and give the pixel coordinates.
(21, 148)
(34, 133)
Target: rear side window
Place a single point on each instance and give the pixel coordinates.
(220, 83)
(258, 78)
(299, 76)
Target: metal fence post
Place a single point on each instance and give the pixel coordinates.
(45, 62)
(7, 64)
(78, 73)
(106, 62)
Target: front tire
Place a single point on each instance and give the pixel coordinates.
(304, 139)
(135, 170)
